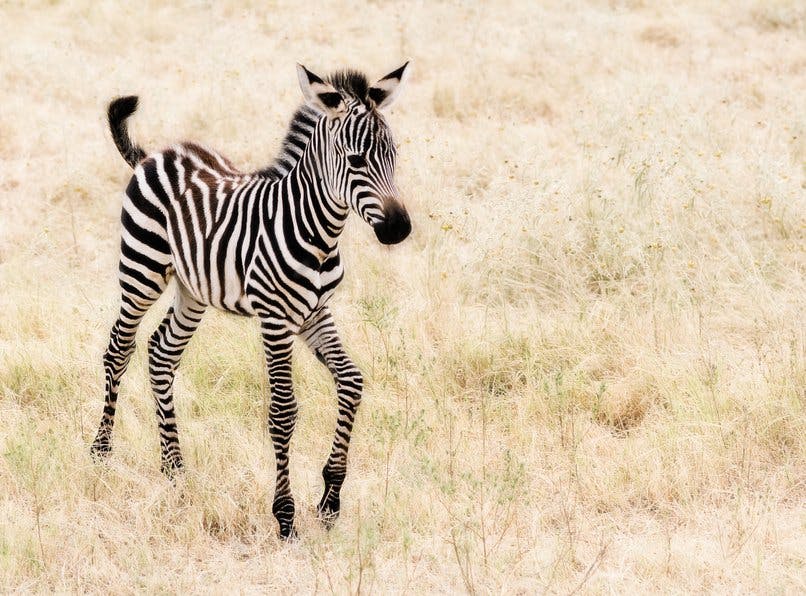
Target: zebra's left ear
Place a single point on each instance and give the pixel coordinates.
(385, 91)
(319, 94)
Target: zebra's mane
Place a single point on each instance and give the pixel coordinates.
(296, 139)
(351, 84)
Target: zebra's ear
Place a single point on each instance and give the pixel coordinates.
(318, 94)
(385, 91)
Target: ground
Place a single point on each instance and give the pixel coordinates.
(585, 370)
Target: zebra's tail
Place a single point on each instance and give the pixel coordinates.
(119, 110)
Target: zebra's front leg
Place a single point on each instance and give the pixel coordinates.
(165, 350)
(322, 337)
(278, 346)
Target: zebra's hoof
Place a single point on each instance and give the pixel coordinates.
(288, 533)
(328, 518)
(100, 449)
(328, 510)
(283, 509)
(171, 466)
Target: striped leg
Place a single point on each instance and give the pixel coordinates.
(116, 360)
(322, 337)
(164, 353)
(278, 344)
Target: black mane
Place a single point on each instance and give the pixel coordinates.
(351, 83)
(296, 139)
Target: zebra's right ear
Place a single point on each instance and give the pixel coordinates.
(320, 95)
(385, 91)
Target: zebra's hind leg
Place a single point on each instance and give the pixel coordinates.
(322, 337)
(165, 350)
(133, 307)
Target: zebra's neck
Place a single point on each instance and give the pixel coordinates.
(306, 198)
(299, 133)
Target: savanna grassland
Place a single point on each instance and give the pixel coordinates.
(585, 371)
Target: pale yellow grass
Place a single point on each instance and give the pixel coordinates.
(585, 370)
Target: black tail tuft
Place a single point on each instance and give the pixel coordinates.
(119, 110)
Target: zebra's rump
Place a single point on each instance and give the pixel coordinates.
(185, 211)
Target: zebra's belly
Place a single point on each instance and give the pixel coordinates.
(211, 284)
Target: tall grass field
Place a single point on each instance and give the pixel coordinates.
(585, 371)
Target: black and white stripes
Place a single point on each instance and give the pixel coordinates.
(261, 244)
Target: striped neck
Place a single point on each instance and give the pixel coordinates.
(321, 197)
(299, 133)
(310, 206)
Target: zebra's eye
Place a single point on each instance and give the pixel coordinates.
(357, 161)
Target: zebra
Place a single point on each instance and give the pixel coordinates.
(263, 244)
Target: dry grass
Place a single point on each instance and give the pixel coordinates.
(585, 370)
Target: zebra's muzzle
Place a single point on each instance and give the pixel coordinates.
(395, 227)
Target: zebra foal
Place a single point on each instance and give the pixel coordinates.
(261, 244)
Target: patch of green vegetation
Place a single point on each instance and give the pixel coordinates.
(35, 383)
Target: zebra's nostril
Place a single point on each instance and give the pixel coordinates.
(395, 227)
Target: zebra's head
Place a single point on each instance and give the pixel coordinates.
(361, 153)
